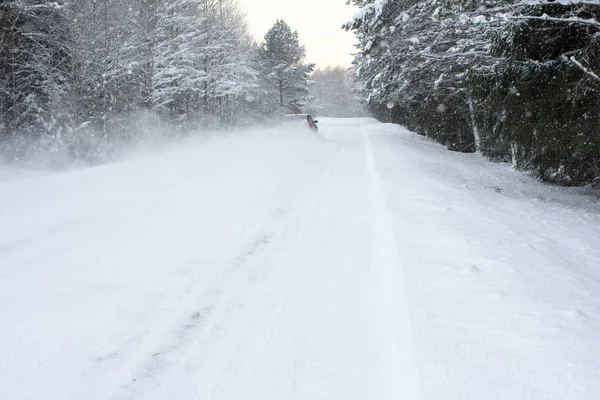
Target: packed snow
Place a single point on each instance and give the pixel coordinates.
(364, 262)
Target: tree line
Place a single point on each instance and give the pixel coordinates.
(333, 94)
(517, 80)
(80, 75)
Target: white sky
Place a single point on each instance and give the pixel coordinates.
(318, 23)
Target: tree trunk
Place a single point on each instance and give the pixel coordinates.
(281, 93)
(514, 149)
(476, 136)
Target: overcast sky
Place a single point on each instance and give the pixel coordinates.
(318, 23)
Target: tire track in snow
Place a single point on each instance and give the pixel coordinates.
(402, 360)
(226, 291)
(262, 299)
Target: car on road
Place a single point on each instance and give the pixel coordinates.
(294, 121)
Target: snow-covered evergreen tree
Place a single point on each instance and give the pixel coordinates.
(104, 51)
(227, 66)
(34, 67)
(512, 78)
(414, 54)
(283, 70)
(175, 56)
(538, 98)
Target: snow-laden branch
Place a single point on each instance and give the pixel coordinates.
(589, 72)
(545, 17)
(474, 53)
(506, 12)
(561, 2)
(377, 7)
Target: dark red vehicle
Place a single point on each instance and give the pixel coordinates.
(294, 121)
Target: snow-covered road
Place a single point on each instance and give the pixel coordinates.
(367, 263)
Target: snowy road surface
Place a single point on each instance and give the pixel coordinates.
(366, 264)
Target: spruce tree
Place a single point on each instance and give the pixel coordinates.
(539, 99)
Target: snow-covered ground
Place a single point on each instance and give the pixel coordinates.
(367, 263)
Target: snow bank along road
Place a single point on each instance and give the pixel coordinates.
(365, 264)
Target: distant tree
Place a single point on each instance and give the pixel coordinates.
(333, 94)
(283, 71)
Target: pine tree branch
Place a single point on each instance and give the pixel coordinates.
(586, 70)
(571, 20)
